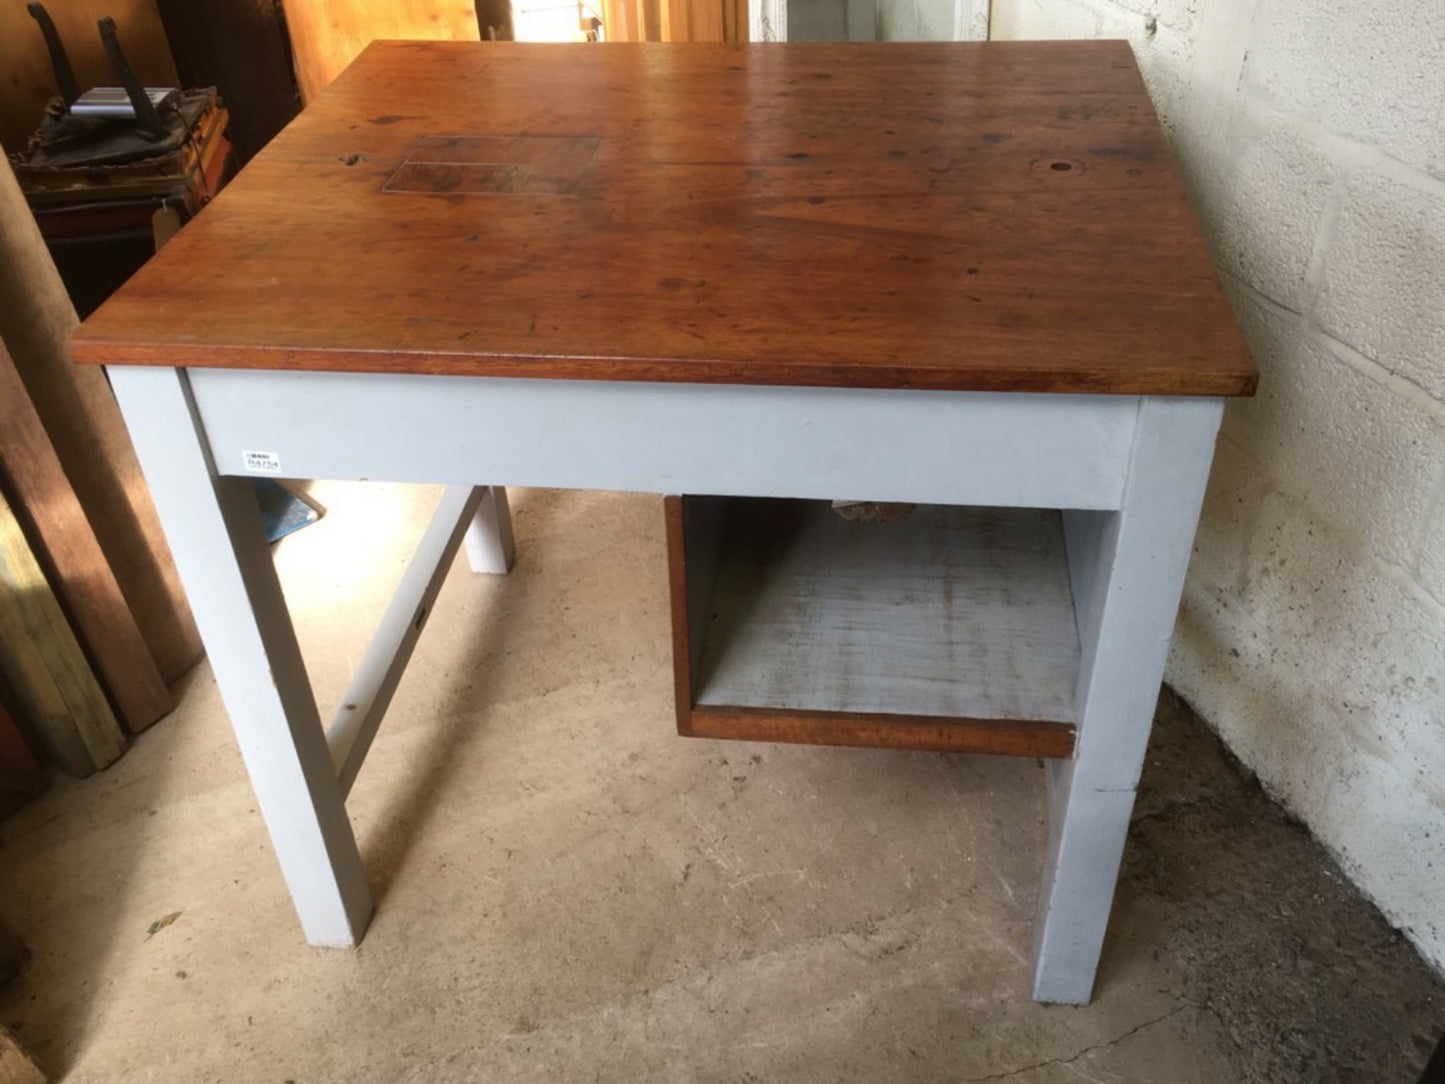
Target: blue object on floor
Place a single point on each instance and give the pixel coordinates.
(283, 512)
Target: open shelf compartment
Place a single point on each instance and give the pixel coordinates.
(951, 629)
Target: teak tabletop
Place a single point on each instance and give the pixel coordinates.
(991, 217)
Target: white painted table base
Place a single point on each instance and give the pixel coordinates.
(1130, 473)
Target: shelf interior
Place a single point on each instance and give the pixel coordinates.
(950, 612)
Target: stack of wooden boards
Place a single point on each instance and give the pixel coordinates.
(93, 624)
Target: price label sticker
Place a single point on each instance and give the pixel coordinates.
(262, 462)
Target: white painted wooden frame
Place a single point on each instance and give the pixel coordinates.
(1129, 473)
(1043, 451)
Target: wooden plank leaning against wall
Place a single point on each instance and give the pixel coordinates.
(45, 666)
(327, 35)
(66, 545)
(87, 435)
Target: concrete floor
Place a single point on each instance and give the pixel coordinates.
(568, 891)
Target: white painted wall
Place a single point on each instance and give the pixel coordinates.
(1312, 136)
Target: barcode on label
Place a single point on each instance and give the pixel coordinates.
(262, 462)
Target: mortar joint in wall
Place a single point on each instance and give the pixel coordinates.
(1347, 153)
(1349, 545)
(1282, 310)
(1417, 395)
(1402, 386)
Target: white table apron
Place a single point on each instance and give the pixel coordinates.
(1128, 472)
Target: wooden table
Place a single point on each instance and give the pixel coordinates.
(959, 274)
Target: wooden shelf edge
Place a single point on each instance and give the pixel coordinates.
(96, 347)
(677, 605)
(998, 737)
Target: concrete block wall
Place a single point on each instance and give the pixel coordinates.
(1311, 134)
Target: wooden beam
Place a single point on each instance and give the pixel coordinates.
(327, 35)
(45, 665)
(881, 730)
(735, 20)
(68, 548)
(652, 29)
(84, 426)
(622, 20)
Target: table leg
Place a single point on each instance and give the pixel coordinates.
(214, 530)
(1128, 571)
(489, 543)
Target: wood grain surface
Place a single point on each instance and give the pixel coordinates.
(71, 553)
(674, 20)
(881, 730)
(85, 428)
(327, 35)
(45, 666)
(976, 216)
